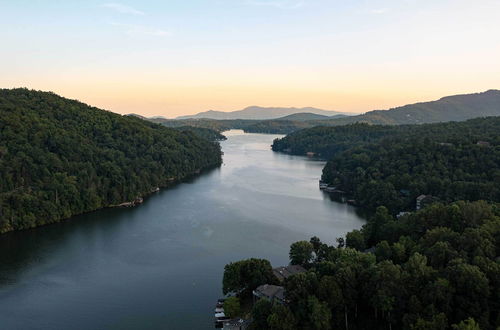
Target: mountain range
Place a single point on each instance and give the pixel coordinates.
(449, 108)
(260, 113)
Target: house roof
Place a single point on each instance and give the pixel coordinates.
(270, 292)
(285, 272)
(235, 324)
(421, 197)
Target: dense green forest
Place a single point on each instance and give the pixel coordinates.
(306, 116)
(327, 141)
(211, 132)
(435, 269)
(279, 126)
(392, 165)
(60, 157)
(204, 133)
(216, 125)
(452, 161)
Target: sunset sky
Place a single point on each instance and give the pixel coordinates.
(174, 57)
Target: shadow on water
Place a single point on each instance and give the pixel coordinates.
(22, 250)
(338, 198)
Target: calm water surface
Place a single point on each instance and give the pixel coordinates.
(160, 265)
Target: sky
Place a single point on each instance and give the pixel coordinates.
(172, 57)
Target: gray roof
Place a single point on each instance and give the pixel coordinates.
(235, 324)
(421, 197)
(270, 292)
(283, 273)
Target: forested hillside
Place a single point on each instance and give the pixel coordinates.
(60, 157)
(326, 141)
(447, 162)
(304, 116)
(205, 133)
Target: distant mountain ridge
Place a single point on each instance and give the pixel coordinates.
(450, 108)
(260, 113)
(305, 116)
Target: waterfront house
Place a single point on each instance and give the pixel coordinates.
(423, 200)
(419, 201)
(285, 272)
(273, 293)
(402, 214)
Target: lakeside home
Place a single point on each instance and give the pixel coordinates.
(284, 272)
(273, 293)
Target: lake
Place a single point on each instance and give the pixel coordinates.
(160, 265)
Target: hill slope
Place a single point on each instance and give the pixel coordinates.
(304, 116)
(258, 113)
(450, 108)
(60, 157)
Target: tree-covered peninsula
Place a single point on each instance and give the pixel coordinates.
(60, 157)
(434, 269)
(393, 165)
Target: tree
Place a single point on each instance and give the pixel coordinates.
(330, 292)
(301, 253)
(383, 251)
(299, 286)
(437, 322)
(281, 318)
(469, 324)
(247, 275)
(388, 288)
(417, 273)
(316, 243)
(374, 228)
(260, 313)
(471, 290)
(319, 314)
(340, 242)
(356, 240)
(440, 254)
(232, 307)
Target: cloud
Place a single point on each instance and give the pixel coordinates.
(379, 11)
(142, 30)
(122, 9)
(282, 4)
